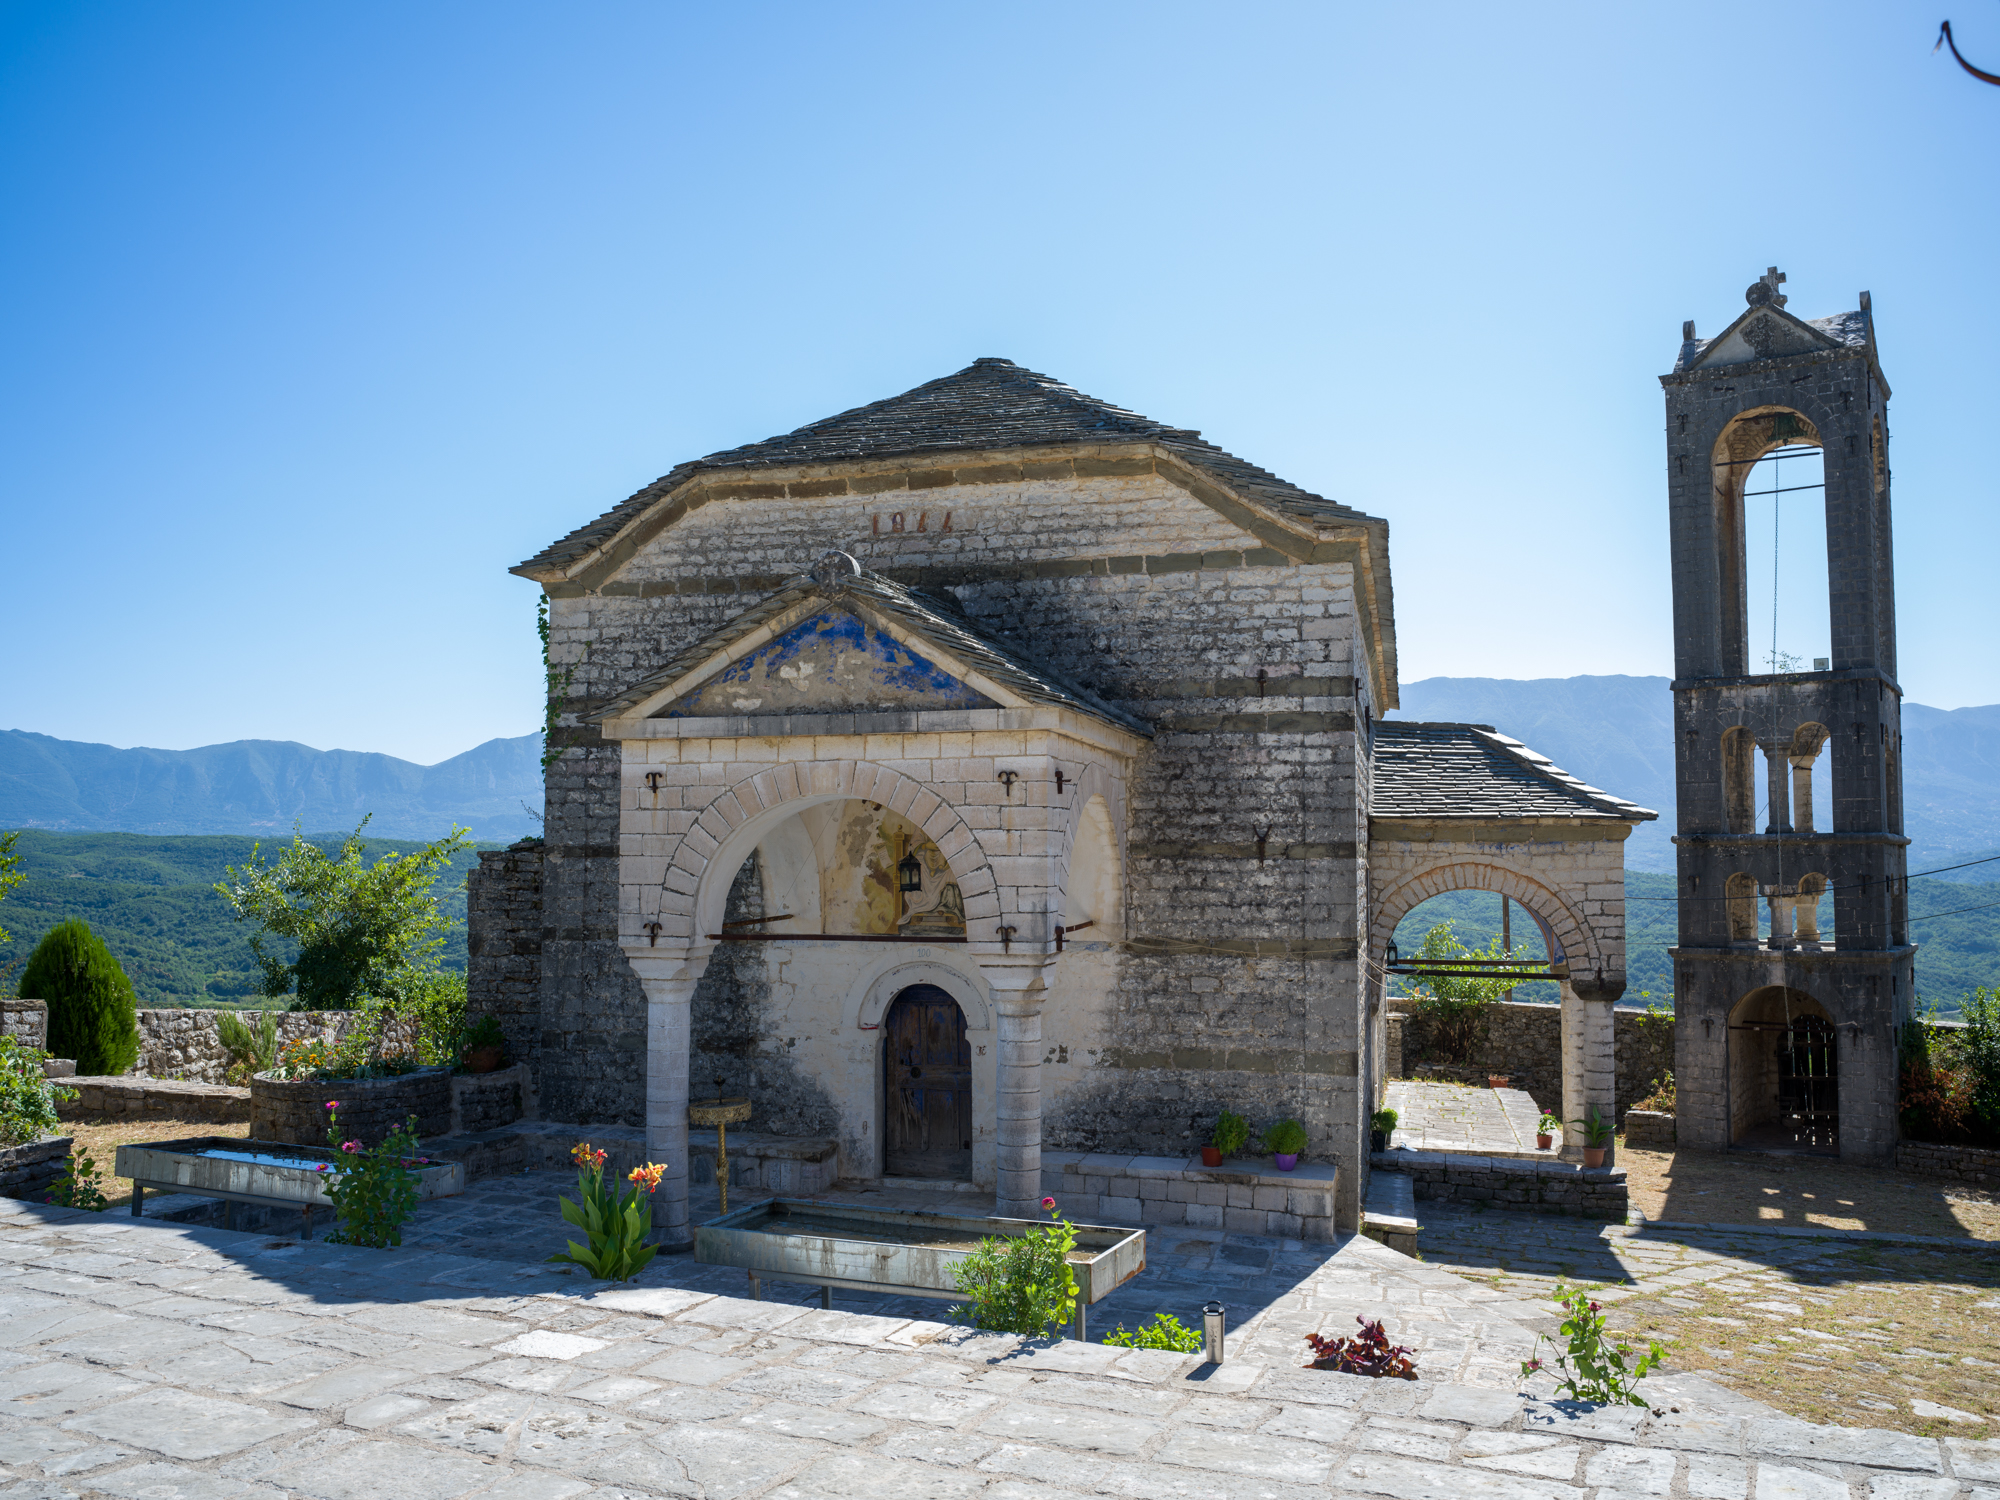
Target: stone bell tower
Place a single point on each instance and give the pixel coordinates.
(1786, 1034)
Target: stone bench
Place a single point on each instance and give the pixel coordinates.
(1241, 1197)
(130, 1097)
(1545, 1186)
(1390, 1214)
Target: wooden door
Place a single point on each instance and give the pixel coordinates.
(927, 1083)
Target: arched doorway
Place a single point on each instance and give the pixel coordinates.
(1784, 1073)
(926, 1086)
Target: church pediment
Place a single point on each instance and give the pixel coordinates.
(1763, 333)
(833, 661)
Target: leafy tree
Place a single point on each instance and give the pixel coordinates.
(1454, 1005)
(360, 928)
(1979, 1050)
(11, 873)
(93, 1012)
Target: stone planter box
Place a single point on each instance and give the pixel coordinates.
(295, 1113)
(1649, 1130)
(1242, 1197)
(486, 1101)
(27, 1171)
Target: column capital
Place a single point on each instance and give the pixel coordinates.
(665, 965)
(1600, 986)
(1018, 985)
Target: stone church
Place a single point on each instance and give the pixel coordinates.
(991, 768)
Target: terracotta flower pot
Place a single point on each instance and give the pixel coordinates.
(1210, 1157)
(1544, 1142)
(1593, 1156)
(483, 1059)
(1499, 1080)
(1285, 1163)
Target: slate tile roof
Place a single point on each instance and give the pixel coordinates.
(1474, 771)
(926, 616)
(1847, 330)
(991, 403)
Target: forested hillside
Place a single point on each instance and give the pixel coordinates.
(151, 900)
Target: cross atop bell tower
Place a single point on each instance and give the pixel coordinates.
(1763, 292)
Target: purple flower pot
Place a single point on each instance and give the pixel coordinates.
(1285, 1163)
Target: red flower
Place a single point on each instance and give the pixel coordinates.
(351, 1146)
(1048, 1203)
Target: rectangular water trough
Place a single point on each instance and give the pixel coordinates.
(270, 1173)
(846, 1246)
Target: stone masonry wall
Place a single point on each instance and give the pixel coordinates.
(1957, 1163)
(369, 1107)
(183, 1044)
(27, 1021)
(1525, 1042)
(503, 972)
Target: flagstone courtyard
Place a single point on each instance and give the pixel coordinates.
(151, 1359)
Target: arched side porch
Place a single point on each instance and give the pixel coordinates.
(1570, 880)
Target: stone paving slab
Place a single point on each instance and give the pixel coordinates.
(437, 1376)
(1450, 1117)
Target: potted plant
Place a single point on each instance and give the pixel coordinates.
(1597, 1136)
(1545, 1131)
(1231, 1132)
(1381, 1125)
(1499, 1080)
(1285, 1141)
(483, 1045)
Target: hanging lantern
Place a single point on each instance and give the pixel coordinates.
(910, 872)
(1390, 956)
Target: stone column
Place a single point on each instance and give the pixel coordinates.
(669, 980)
(1018, 993)
(1590, 1075)
(1777, 779)
(1802, 801)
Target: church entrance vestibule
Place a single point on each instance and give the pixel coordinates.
(1784, 1074)
(927, 1086)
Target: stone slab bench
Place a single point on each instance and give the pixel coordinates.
(1390, 1214)
(1241, 1197)
(1544, 1186)
(130, 1097)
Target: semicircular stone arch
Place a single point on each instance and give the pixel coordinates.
(1579, 945)
(690, 892)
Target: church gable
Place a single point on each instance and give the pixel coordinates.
(830, 662)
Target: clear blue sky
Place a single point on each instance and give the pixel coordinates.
(319, 317)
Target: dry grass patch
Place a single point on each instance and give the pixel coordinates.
(1854, 1337)
(102, 1139)
(1717, 1187)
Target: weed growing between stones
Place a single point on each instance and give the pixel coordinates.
(375, 1196)
(1020, 1284)
(1368, 1352)
(1594, 1368)
(1164, 1332)
(614, 1224)
(78, 1186)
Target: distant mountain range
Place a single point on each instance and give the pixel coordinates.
(1618, 733)
(264, 787)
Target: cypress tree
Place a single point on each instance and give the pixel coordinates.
(93, 1012)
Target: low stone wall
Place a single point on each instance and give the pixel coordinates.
(28, 1171)
(183, 1044)
(487, 1101)
(1525, 1043)
(1958, 1163)
(369, 1107)
(1525, 1184)
(1240, 1197)
(27, 1021)
(1649, 1130)
(792, 1165)
(126, 1098)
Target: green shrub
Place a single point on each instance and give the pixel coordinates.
(250, 1052)
(1022, 1283)
(1286, 1138)
(375, 1191)
(1593, 1367)
(1164, 1332)
(1384, 1120)
(80, 1185)
(1231, 1132)
(93, 1014)
(27, 1098)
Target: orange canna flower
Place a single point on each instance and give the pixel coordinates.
(648, 1176)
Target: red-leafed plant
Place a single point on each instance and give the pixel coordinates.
(1367, 1353)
